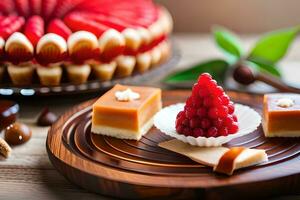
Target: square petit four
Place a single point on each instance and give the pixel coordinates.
(281, 115)
(126, 111)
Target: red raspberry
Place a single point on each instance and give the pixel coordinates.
(234, 117)
(180, 118)
(187, 132)
(189, 102)
(233, 128)
(201, 112)
(217, 101)
(225, 99)
(198, 132)
(190, 112)
(185, 122)
(212, 132)
(204, 78)
(218, 123)
(212, 84)
(218, 91)
(195, 123)
(223, 111)
(195, 89)
(208, 111)
(181, 113)
(205, 123)
(207, 102)
(203, 92)
(231, 108)
(213, 113)
(228, 121)
(223, 131)
(179, 129)
(197, 102)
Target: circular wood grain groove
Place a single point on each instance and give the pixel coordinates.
(144, 159)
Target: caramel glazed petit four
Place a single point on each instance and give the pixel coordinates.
(281, 115)
(81, 39)
(126, 112)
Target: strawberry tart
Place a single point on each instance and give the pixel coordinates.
(80, 39)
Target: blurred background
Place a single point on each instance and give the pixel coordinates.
(250, 16)
(250, 19)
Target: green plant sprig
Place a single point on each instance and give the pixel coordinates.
(263, 56)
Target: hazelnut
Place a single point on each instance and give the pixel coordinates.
(46, 118)
(17, 133)
(243, 75)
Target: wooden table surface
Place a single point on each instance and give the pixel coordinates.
(28, 174)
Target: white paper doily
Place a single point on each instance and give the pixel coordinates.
(248, 121)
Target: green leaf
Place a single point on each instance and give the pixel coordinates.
(274, 45)
(217, 68)
(266, 67)
(228, 42)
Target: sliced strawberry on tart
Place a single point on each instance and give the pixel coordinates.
(84, 36)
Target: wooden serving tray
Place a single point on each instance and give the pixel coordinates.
(131, 169)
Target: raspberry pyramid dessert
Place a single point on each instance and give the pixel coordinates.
(78, 39)
(208, 112)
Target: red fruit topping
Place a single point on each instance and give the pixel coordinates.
(217, 101)
(195, 123)
(48, 7)
(213, 113)
(109, 21)
(58, 27)
(22, 7)
(233, 128)
(5, 21)
(14, 26)
(205, 123)
(228, 121)
(223, 131)
(218, 123)
(208, 101)
(198, 132)
(230, 108)
(35, 7)
(78, 23)
(201, 112)
(212, 132)
(218, 90)
(34, 29)
(65, 6)
(225, 99)
(204, 78)
(234, 117)
(180, 114)
(222, 111)
(203, 92)
(208, 111)
(6, 6)
(190, 112)
(187, 131)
